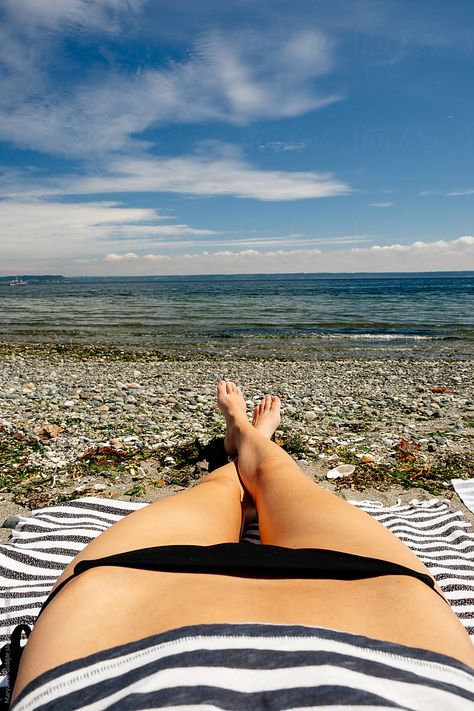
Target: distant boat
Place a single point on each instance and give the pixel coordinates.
(17, 282)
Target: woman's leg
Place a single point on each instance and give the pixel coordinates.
(207, 514)
(98, 609)
(295, 512)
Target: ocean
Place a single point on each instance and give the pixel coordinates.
(281, 315)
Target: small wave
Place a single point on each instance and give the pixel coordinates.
(376, 336)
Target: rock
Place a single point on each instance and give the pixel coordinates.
(11, 522)
(309, 415)
(49, 431)
(69, 403)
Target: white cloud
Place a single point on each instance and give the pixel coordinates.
(282, 146)
(34, 15)
(201, 175)
(380, 204)
(31, 232)
(232, 78)
(153, 231)
(441, 255)
(467, 191)
(449, 193)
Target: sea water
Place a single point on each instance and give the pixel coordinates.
(285, 315)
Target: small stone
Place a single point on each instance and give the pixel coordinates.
(309, 415)
(103, 408)
(69, 403)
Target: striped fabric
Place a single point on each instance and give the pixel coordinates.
(44, 543)
(464, 488)
(257, 667)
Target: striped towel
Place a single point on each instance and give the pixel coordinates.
(464, 488)
(45, 542)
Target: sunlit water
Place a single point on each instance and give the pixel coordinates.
(305, 315)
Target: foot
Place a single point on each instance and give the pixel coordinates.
(266, 415)
(232, 405)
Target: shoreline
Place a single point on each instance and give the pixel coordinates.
(93, 421)
(342, 347)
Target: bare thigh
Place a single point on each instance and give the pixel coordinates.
(106, 607)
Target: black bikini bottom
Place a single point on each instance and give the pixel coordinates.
(236, 559)
(250, 560)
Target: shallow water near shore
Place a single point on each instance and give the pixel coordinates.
(303, 316)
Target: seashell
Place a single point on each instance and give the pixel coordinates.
(340, 471)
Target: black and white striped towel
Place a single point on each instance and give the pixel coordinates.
(45, 542)
(464, 488)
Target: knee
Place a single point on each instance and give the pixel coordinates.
(227, 484)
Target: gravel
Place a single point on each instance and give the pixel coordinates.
(365, 407)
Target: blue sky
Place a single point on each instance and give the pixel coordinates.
(174, 137)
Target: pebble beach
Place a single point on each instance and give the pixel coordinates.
(139, 426)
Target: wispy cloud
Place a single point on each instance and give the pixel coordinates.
(380, 204)
(282, 146)
(198, 175)
(234, 78)
(447, 193)
(455, 193)
(60, 231)
(31, 15)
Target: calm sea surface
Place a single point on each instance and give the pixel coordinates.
(419, 315)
